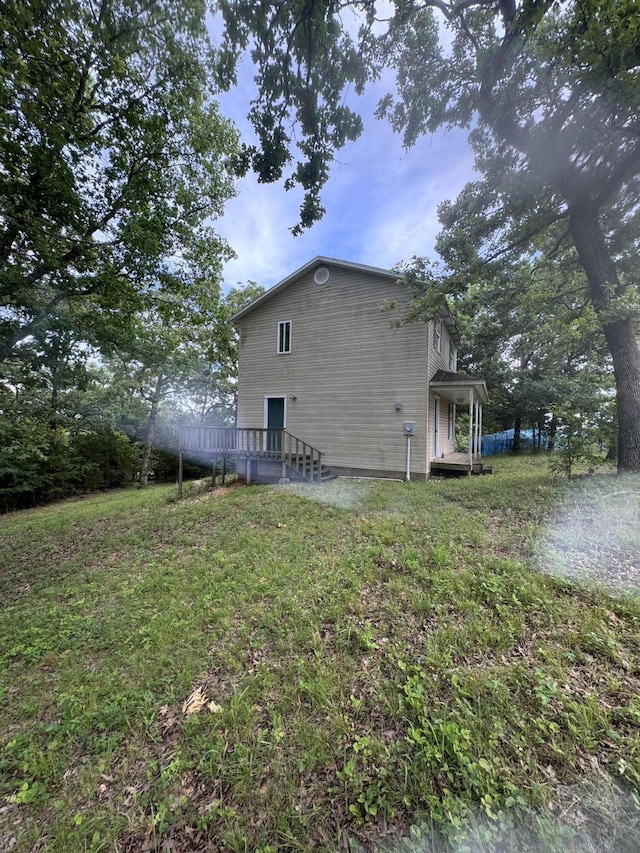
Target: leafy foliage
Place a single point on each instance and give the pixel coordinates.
(303, 58)
(551, 91)
(113, 162)
(52, 452)
(70, 425)
(113, 156)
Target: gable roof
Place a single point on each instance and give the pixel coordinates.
(322, 260)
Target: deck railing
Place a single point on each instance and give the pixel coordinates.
(304, 459)
(207, 439)
(254, 442)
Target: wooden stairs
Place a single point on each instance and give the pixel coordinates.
(310, 470)
(266, 455)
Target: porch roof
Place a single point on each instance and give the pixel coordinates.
(455, 387)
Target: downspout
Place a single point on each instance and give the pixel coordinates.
(427, 460)
(471, 419)
(453, 426)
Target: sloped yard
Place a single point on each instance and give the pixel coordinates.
(359, 665)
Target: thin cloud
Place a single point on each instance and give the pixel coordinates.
(381, 200)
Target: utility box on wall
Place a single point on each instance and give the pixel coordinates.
(408, 428)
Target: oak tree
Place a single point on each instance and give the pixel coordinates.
(112, 156)
(551, 88)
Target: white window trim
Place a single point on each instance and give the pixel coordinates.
(452, 357)
(282, 323)
(437, 334)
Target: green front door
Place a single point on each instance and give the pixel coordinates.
(275, 421)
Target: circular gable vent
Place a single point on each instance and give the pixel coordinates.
(321, 275)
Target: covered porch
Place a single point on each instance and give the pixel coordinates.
(460, 389)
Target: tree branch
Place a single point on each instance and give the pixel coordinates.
(624, 168)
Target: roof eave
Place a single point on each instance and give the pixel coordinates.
(479, 385)
(318, 260)
(452, 327)
(445, 314)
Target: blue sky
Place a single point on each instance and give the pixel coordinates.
(381, 200)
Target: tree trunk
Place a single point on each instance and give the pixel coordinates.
(53, 415)
(553, 428)
(619, 332)
(626, 367)
(516, 434)
(589, 240)
(151, 430)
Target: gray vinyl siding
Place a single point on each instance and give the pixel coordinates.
(347, 369)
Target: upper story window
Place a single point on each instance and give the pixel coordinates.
(284, 337)
(437, 334)
(452, 356)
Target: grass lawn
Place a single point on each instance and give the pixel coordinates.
(354, 666)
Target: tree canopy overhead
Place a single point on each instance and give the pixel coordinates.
(551, 90)
(112, 157)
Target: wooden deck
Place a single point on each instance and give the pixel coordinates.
(459, 463)
(257, 449)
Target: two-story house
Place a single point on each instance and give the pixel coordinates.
(321, 363)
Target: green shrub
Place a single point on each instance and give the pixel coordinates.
(104, 459)
(40, 463)
(578, 443)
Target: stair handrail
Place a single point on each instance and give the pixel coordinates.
(306, 460)
(299, 462)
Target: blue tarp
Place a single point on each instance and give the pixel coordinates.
(502, 442)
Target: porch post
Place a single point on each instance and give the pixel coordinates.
(471, 417)
(475, 429)
(480, 432)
